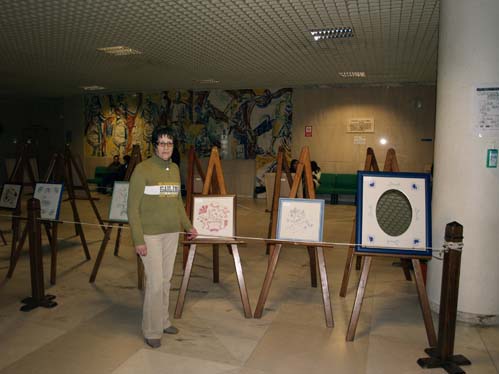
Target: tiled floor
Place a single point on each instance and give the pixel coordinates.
(96, 327)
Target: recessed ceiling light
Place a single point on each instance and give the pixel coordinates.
(206, 81)
(92, 88)
(332, 33)
(352, 74)
(119, 50)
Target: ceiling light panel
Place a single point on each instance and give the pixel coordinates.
(180, 40)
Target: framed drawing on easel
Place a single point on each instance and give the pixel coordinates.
(393, 213)
(10, 195)
(300, 219)
(119, 201)
(50, 196)
(213, 216)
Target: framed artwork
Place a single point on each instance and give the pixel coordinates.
(214, 216)
(119, 201)
(300, 220)
(50, 196)
(393, 213)
(11, 194)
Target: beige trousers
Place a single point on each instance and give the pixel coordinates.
(158, 267)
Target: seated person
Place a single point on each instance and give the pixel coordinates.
(316, 174)
(113, 174)
(293, 165)
(124, 167)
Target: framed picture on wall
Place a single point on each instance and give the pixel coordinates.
(11, 193)
(119, 201)
(50, 196)
(214, 216)
(393, 213)
(300, 220)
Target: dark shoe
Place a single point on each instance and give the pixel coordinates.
(153, 343)
(171, 330)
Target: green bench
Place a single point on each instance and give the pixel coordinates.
(337, 184)
(100, 172)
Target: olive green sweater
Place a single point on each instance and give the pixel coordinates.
(154, 200)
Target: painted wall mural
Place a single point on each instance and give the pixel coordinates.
(244, 124)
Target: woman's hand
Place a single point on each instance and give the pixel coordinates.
(192, 233)
(141, 250)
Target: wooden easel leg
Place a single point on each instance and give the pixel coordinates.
(118, 238)
(140, 273)
(240, 280)
(15, 237)
(313, 266)
(53, 257)
(268, 281)
(358, 262)
(100, 255)
(325, 287)
(17, 252)
(216, 263)
(346, 272)
(185, 281)
(407, 269)
(425, 304)
(78, 228)
(354, 318)
(3, 238)
(185, 253)
(348, 263)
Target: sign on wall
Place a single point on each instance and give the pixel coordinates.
(360, 125)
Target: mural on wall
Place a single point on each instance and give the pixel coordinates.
(114, 123)
(244, 124)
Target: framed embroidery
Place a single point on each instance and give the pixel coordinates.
(11, 193)
(50, 196)
(393, 213)
(214, 216)
(119, 202)
(300, 220)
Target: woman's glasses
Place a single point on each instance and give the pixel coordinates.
(165, 145)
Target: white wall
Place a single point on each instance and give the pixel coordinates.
(396, 117)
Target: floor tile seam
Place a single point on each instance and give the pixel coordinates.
(489, 353)
(181, 355)
(32, 352)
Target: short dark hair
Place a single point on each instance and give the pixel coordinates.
(159, 132)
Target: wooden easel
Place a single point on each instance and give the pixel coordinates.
(371, 164)
(193, 162)
(315, 251)
(135, 159)
(22, 167)
(214, 181)
(60, 170)
(392, 165)
(282, 163)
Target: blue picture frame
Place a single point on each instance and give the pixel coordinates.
(50, 196)
(370, 238)
(300, 220)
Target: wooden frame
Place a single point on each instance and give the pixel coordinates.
(371, 164)
(11, 194)
(214, 182)
(135, 159)
(315, 250)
